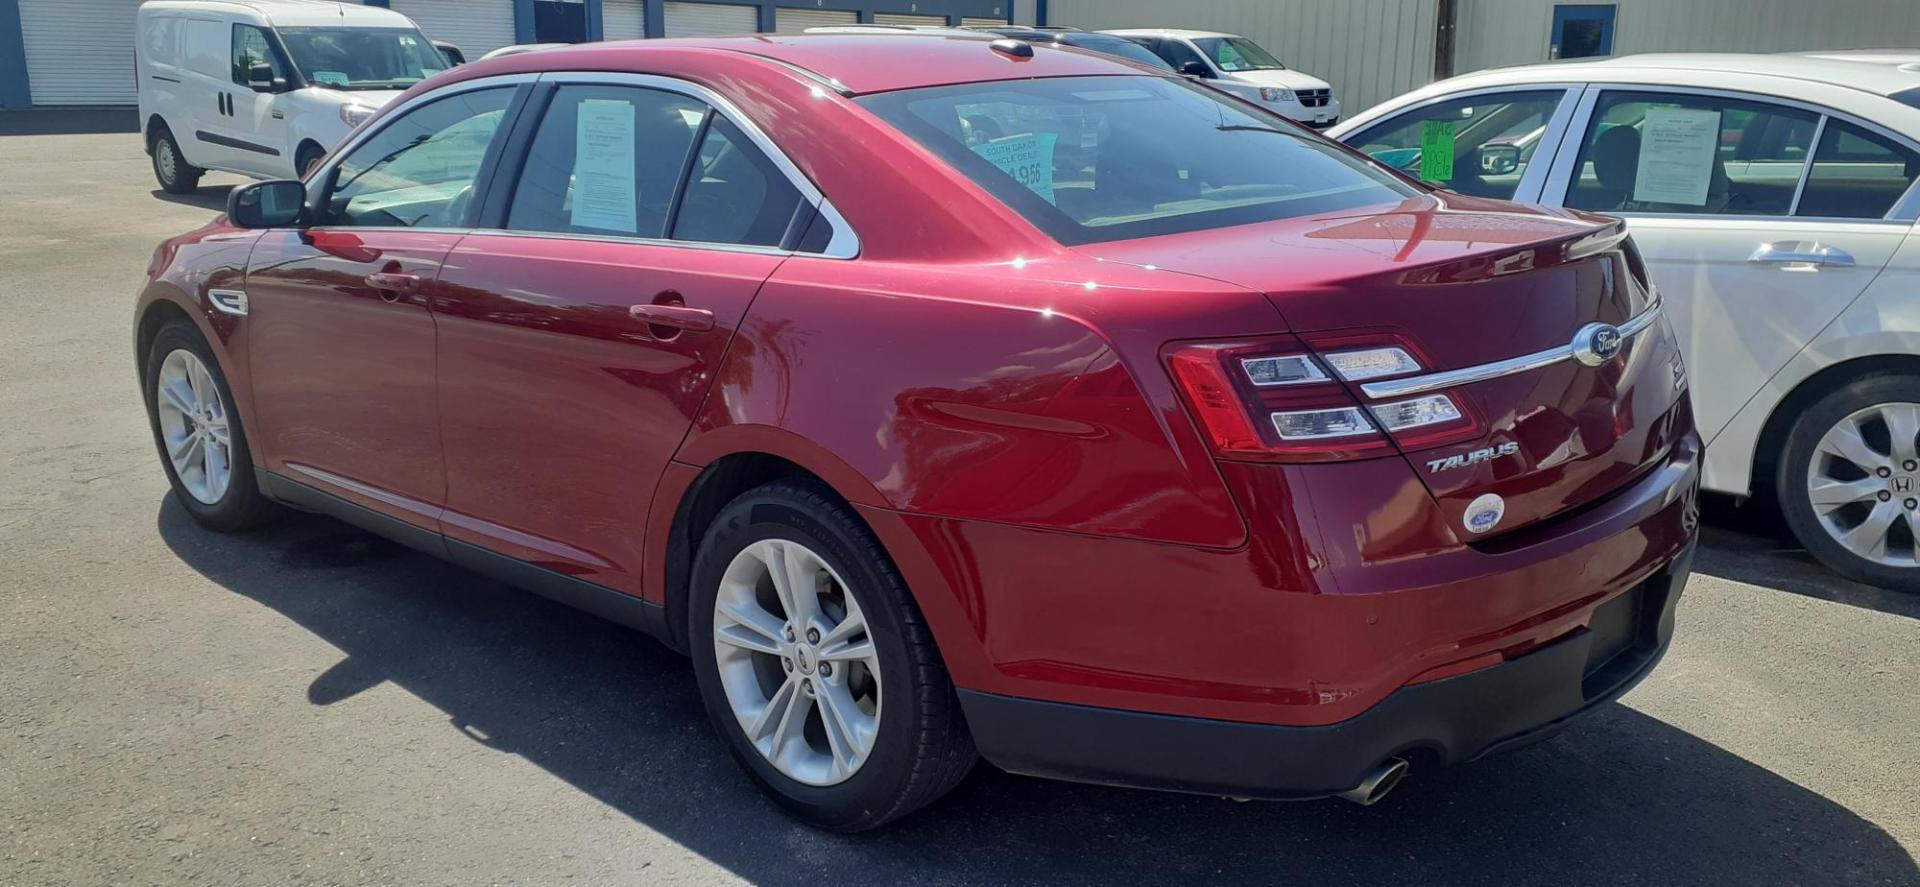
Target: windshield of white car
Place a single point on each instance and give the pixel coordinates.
(362, 58)
(1235, 54)
(1094, 159)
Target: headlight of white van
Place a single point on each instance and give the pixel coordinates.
(354, 115)
(1271, 94)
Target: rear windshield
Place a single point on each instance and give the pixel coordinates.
(1126, 49)
(1093, 159)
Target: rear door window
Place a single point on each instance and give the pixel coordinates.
(1692, 154)
(734, 193)
(1857, 174)
(1480, 145)
(606, 160)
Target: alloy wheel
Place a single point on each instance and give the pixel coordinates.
(1864, 483)
(194, 426)
(799, 669)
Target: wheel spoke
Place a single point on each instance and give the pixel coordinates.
(855, 650)
(174, 398)
(1903, 426)
(793, 580)
(1828, 494)
(775, 713)
(202, 384)
(837, 718)
(753, 629)
(1869, 539)
(217, 430)
(1845, 442)
(179, 450)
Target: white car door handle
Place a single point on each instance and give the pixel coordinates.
(1801, 252)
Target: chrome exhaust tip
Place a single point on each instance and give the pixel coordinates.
(1377, 784)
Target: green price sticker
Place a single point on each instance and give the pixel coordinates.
(1436, 150)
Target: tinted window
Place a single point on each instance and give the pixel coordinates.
(606, 160)
(1481, 145)
(1674, 153)
(419, 170)
(1090, 159)
(1857, 174)
(249, 46)
(1232, 54)
(734, 193)
(1178, 53)
(1125, 49)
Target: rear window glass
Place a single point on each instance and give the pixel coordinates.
(1092, 159)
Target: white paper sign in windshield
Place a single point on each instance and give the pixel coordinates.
(604, 195)
(1678, 148)
(1028, 158)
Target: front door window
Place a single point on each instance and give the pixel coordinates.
(1480, 145)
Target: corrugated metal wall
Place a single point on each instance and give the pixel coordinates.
(1515, 32)
(1370, 50)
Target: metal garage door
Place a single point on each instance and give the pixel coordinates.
(623, 19)
(974, 21)
(476, 26)
(793, 21)
(896, 18)
(79, 53)
(706, 19)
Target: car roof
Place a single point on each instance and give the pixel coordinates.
(1882, 72)
(852, 63)
(289, 13)
(1166, 32)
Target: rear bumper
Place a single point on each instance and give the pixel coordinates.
(1456, 719)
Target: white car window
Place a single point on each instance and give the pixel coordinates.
(1857, 174)
(1660, 152)
(1481, 145)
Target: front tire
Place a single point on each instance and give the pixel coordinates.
(170, 167)
(1849, 481)
(816, 666)
(202, 446)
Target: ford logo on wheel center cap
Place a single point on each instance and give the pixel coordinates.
(1597, 343)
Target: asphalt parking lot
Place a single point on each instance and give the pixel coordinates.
(308, 704)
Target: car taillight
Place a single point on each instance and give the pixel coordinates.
(1276, 400)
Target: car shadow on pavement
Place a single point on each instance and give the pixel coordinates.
(1749, 543)
(209, 197)
(1621, 798)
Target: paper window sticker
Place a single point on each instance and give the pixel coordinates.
(1436, 150)
(1028, 158)
(605, 195)
(1678, 148)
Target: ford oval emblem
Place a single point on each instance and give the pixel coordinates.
(1597, 343)
(1484, 513)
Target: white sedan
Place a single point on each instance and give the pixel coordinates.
(1774, 200)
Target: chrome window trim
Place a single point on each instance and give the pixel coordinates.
(1533, 181)
(1407, 387)
(1559, 180)
(845, 242)
(633, 240)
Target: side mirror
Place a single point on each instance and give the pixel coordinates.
(272, 204)
(260, 78)
(1196, 69)
(1499, 160)
(455, 58)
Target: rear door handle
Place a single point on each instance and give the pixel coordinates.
(394, 282)
(681, 317)
(1801, 252)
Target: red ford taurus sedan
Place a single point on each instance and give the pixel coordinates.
(949, 398)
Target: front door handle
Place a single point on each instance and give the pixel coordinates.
(1801, 252)
(393, 284)
(680, 317)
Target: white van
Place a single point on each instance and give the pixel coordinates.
(265, 87)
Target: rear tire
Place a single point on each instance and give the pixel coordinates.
(908, 743)
(170, 167)
(203, 448)
(1848, 483)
